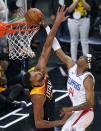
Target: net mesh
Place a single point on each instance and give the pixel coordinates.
(19, 42)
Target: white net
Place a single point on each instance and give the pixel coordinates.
(19, 42)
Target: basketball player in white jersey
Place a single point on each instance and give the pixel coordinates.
(80, 85)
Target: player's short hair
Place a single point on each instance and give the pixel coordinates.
(26, 80)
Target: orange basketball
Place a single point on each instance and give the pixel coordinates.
(33, 16)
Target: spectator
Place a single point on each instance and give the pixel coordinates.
(3, 16)
(31, 3)
(100, 7)
(79, 24)
(98, 20)
(3, 11)
(53, 6)
(7, 94)
(100, 16)
(21, 7)
(15, 76)
(12, 8)
(98, 2)
(94, 15)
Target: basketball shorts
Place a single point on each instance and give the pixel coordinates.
(79, 121)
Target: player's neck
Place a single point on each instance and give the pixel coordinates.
(80, 70)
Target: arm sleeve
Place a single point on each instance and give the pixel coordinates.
(56, 44)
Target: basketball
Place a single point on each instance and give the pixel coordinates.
(33, 16)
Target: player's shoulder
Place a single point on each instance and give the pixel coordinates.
(89, 78)
(37, 99)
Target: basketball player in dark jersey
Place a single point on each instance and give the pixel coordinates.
(37, 78)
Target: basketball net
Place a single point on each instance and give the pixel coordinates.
(19, 36)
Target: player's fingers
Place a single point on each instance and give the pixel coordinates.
(58, 9)
(66, 10)
(62, 8)
(67, 17)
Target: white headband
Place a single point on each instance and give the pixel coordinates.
(89, 56)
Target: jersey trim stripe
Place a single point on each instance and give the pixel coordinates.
(82, 114)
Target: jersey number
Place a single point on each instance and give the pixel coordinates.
(71, 91)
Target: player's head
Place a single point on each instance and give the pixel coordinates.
(87, 61)
(33, 78)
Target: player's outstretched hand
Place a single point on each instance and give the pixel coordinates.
(60, 17)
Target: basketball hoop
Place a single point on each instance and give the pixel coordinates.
(19, 36)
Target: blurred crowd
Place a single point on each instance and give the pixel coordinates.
(12, 71)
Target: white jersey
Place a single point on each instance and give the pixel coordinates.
(75, 86)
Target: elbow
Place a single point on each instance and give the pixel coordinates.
(38, 124)
(89, 9)
(69, 10)
(91, 105)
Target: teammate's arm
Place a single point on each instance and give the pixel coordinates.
(89, 89)
(72, 6)
(47, 46)
(38, 109)
(86, 5)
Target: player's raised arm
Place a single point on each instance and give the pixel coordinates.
(59, 52)
(65, 58)
(48, 44)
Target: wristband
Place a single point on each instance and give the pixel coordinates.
(56, 44)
